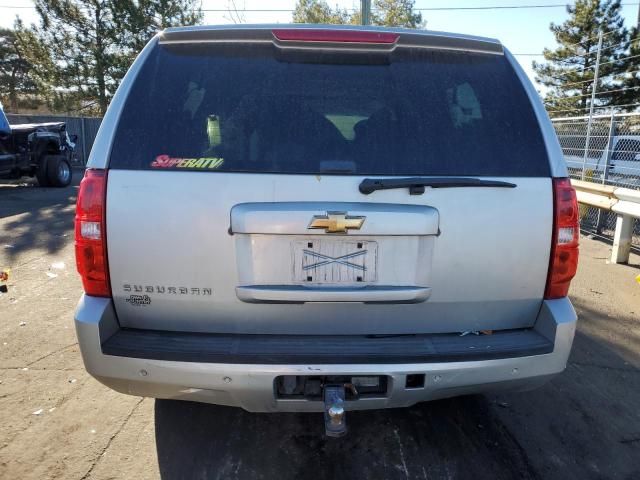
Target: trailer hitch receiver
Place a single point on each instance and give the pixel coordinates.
(334, 413)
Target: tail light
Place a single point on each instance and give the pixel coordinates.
(564, 247)
(91, 246)
(334, 36)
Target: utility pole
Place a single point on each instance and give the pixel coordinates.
(594, 88)
(365, 12)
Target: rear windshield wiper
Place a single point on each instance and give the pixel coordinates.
(416, 184)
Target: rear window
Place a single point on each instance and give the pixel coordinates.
(254, 109)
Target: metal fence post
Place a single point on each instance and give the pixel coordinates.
(607, 161)
(610, 146)
(365, 12)
(594, 87)
(84, 143)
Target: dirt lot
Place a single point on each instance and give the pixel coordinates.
(57, 422)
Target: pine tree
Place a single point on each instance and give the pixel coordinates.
(318, 11)
(396, 13)
(16, 81)
(629, 98)
(569, 69)
(138, 20)
(26, 69)
(93, 42)
(393, 13)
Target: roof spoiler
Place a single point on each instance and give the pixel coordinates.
(331, 37)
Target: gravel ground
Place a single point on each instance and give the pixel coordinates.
(57, 422)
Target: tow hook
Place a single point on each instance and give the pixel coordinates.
(335, 421)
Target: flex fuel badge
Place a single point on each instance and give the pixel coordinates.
(203, 163)
(138, 300)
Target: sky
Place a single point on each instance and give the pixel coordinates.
(523, 31)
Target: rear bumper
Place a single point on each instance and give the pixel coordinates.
(251, 385)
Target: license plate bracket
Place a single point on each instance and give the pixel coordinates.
(334, 261)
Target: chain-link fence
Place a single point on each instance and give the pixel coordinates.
(85, 128)
(604, 150)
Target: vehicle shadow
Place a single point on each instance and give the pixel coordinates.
(458, 438)
(35, 218)
(584, 424)
(571, 428)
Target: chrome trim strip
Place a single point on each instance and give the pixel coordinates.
(300, 294)
(292, 218)
(213, 40)
(326, 46)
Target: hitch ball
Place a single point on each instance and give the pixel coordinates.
(334, 415)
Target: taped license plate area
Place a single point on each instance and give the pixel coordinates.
(334, 261)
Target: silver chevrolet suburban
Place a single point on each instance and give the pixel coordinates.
(310, 218)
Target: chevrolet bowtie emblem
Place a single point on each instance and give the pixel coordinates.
(336, 222)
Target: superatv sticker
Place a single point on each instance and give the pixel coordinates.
(204, 163)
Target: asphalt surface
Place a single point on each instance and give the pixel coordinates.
(57, 422)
